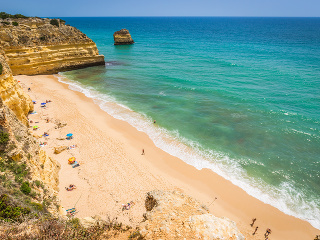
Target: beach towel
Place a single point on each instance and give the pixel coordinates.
(72, 146)
(128, 205)
(75, 164)
(71, 211)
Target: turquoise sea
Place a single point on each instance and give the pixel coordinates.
(240, 96)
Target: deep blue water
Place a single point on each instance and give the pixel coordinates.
(238, 95)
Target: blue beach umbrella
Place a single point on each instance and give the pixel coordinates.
(69, 134)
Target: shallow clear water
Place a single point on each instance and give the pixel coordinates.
(238, 95)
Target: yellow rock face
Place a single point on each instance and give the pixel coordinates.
(37, 47)
(48, 170)
(12, 94)
(52, 59)
(122, 37)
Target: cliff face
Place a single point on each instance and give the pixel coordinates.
(173, 215)
(122, 37)
(11, 92)
(22, 147)
(36, 46)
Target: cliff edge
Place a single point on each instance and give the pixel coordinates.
(46, 46)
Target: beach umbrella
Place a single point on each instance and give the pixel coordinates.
(35, 126)
(69, 134)
(71, 160)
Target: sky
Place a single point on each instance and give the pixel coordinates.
(111, 8)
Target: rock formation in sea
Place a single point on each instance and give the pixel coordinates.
(122, 37)
(174, 215)
(45, 46)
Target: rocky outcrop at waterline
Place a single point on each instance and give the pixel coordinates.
(174, 215)
(45, 46)
(122, 37)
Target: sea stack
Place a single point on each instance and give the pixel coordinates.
(122, 37)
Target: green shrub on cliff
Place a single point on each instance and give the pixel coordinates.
(5, 15)
(15, 23)
(54, 22)
(19, 16)
(9, 211)
(4, 136)
(0, 68)
(25, 188)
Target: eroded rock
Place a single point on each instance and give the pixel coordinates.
(174, 215)
(59, 149)
(122, 37)
(37, 47)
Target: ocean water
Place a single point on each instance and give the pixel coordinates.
(240, 96)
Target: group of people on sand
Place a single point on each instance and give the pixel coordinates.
(267, 233)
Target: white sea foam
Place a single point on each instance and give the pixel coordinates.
(286, 198)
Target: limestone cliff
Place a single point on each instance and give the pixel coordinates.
(11, 92)
(122, 37)
(44, 46)
(173, 215)
(22, 147)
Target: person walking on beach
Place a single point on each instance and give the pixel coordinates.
(255, 231)
(142, 152)
(253, 221)
(267, 232)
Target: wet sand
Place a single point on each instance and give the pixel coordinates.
(113, 170)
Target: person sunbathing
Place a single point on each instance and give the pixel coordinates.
(127, 206)
(71, 187)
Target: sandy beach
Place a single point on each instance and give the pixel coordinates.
(113, 170)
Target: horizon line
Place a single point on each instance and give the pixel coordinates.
(195, 16)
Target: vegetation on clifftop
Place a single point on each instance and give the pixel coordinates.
(5, 15)
(54, 22)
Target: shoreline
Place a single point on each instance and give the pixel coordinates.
(135, 174)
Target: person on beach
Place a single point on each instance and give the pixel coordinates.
(142, 152)
(255, 231)
(267, 232)
(253, 221)
(29, 89)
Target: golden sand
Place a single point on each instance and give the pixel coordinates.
(113, 170)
